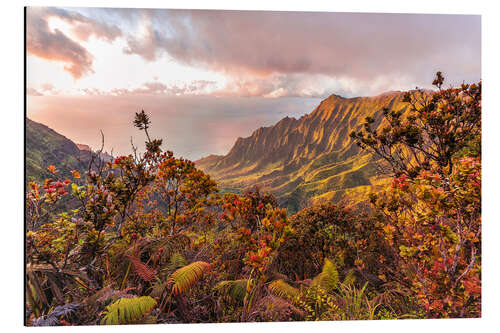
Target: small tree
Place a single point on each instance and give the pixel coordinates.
(431, 214)
(432, 130)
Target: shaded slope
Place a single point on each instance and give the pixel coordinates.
(45, 147)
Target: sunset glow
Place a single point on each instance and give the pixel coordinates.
(91, 52)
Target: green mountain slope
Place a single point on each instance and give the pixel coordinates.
(307, 159)
(44, 147)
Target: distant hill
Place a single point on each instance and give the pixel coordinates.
(82, 146)
(307, 159)
(104, 155)
(45, 146)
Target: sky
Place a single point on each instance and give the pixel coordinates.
(209, 77)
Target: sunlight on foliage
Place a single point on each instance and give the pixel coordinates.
(128, 310)
(184, 278)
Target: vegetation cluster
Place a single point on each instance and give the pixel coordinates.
(149, 238)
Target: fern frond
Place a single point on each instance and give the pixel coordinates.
(184, 278)
(236, 289)
(282, 289)
(128, 310)
(52, 318)
(141, 269)
(176, 260)
(279, 309)
(328, 279)
(349, 277)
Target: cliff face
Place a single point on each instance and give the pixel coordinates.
(310, 158)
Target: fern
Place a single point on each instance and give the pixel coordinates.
(52, 319)
(349, 277)
(176, 260)
(277, 309)
(128, 310)
(141, 269)
(236, 289)
(184, 278)
(282, 289)
(356, 305)
(328, 279)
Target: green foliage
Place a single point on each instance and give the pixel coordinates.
(176, 261)
(328, 278)
(121, 254)
(128, 310)
(350, 278)
(45, 147)
(235, 289)
(282, 289)
(355, 304)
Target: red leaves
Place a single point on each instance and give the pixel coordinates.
(119, 160)
(436, 306)
(440, 212)
(472, 286)
(141, 269)
(254, 258)
(53, 189)
(401, 183)
(246, 232)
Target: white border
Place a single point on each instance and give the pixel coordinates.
(11, 196)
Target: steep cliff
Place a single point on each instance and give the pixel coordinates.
(307, 159)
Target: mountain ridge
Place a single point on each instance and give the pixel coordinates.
(310, 158)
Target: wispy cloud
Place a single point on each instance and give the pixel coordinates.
(198, 87)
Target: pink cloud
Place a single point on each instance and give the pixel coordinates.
(274, 53)
(33, 92)
(358, 46)
(56, 46)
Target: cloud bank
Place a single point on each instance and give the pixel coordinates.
(274, 54)
(207, 77)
